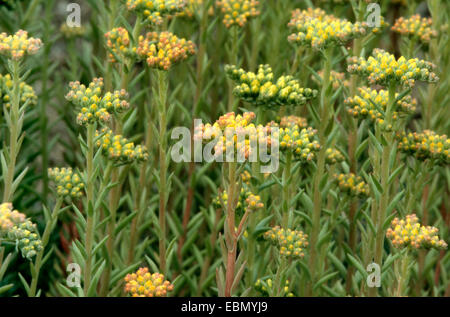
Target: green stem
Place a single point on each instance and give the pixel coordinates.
(277, 283)
(90, 222)
(231, 239)
(384, 178)
(233, 58)
(16, 119)
(403, 277)
(50, 225)
(286, 206)
(326, 113)
(162, 108)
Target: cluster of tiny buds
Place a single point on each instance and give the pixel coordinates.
(191, 8)
(144, 284)
(246, 177)
(369, 102)
(118, 41)
(247, 201)
(415, 27)
(426, 145)
(68, 183)
(27, 238)
(337, 79)
(290, 242)
(163, 50)
(70, 32)
(92, 106)
(9, 218)
(260, 89)
(383, 68)
(333, 156)
(408, 232)
(265, 286)
(18, 45)
(237, 12)
(299, 142)
(318, 30)
(26, 92)
(236, 134)
(119, 149)
(153, 11)
(292, 120)
(352, 184)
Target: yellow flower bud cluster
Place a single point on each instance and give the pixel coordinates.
(68, 183)
(163, 50)
(16, 226)
(192, 6)
(9, 218)
(236, 134)
(118, 41)
(318, 30)
(299, 142)
(264, 286)
(92, 106)
(337, 79)
(415, 27)
(19, 45)
(153, 11)
(382, 68)
(247, 201)
(119, 149)
(290, 242)
(352, 185)
(72, 32)
(288, 121)
(246, 177)
(144, 284)
(369, 102)
(260, 89)
(408, 232)
(27, 238)
(333, 156)
(237, 12)
(426, 145)
(26, 92)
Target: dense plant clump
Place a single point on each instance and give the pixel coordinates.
(230, 148)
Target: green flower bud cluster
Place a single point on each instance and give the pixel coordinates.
(265, 287)
(6, 88)
(290, 242)
(27, 238)
(260, 89)
(318, 30)
(299, 142)
(382, 68)
(333, 156)
(426, 145)
(352, 185)
(372, 104)
(119, 149)
(68, 183)
(153, 11)
(92, 106)
(16, 226)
